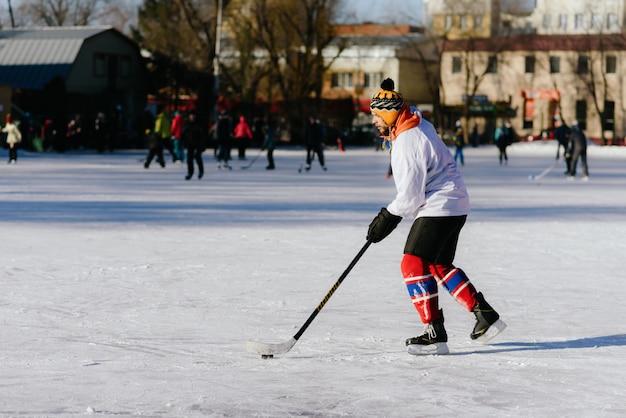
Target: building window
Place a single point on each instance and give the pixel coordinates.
(463, 22)
(341, 80)
(609, 115)
(99, 65)
(492, 65)
(583, 64)
(529, 65)
(596, 21)
(611, 21)
(478, 21)
(579, 21)
(448, 22)
(528, 113)
(611, 64)
(457, 65)
(372, 79)
(581, 113)
(529, 28)
(347, 80)
(563, 21)
(546, 21)
(555, 65)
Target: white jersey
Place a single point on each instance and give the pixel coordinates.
(427, 180)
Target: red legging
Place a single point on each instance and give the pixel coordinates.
(422, 277)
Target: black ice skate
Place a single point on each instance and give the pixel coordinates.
(488, 322)
(433, 341)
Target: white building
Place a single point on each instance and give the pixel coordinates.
(577, 17)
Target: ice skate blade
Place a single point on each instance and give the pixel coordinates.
(428, 350)
(495, 329)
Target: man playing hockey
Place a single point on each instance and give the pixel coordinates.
(430, 191)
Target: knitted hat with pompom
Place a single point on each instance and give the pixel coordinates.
(387, 103)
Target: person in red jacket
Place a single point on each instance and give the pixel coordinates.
(177, 130)
(243, 134)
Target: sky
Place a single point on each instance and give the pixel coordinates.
(132, 292)
(352, 11)
(391, 11)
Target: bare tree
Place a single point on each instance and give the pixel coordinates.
(473, 31)
(66, 12)
(590, 67)
(180, 36)
(245, 66)
(271, 43)
(428, 51)
(293, 35)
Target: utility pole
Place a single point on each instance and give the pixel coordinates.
(11, 14)
(216, 58)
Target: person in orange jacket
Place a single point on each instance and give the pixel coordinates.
(243, 134)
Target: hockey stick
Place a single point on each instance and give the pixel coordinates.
(266, 349)
(544, 172)
(307, 162)
(253, 160)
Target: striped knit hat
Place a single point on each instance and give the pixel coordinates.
(387, 103)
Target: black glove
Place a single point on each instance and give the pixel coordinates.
(382, 225)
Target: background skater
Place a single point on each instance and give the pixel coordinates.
(577, 148)
(314, 140)
(192, 137)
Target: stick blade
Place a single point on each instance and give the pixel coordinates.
(257, 347)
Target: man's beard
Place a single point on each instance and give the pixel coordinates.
(384, 131)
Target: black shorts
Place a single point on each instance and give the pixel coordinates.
(435, 238)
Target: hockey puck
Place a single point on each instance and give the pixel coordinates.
(266, 356)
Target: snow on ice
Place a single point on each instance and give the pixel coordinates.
(132, 292)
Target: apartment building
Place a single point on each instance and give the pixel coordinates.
(575, 17)
(460, 19)
(544, 60)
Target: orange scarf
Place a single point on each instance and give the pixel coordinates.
(406, 120)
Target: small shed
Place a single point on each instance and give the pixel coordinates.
(60, 72)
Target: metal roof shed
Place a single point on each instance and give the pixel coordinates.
(32, 57)
(67, 70)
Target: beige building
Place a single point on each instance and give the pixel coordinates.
(371, 53)
(458, 19)
(538, 78)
